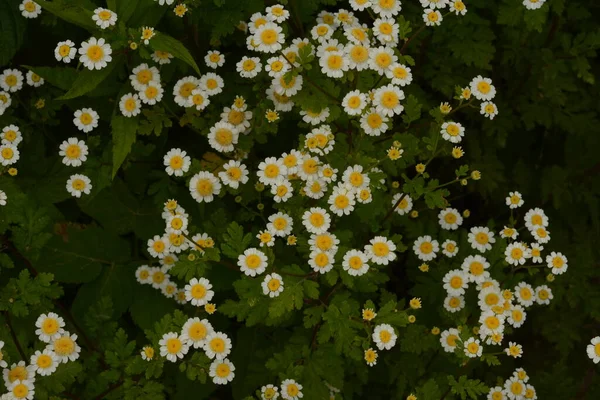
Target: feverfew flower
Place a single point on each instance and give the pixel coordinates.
(593, 350)
(147, 34)
(449, 248)
(197, 331)
(481, 238)
(95, 53)
(381, 250)
(217, 345)
(253, 262)
(374, 123)
(65, 347)
(234, 173)
(455, 282)
(34, 79)
(277, 13)
(11, 135)
(221, 371)
(291, 390)
(130, 105)
(214, 59)
(50, 327)
(473, 348)
(543, 295)
(272, 285)
(454, 303)
(354, 102)
(73, 151)
(142, 75)
(173, 346)
(370, 357)
(458, 7)
(268, 38)
(280, 224)
(386, 100)
(86, 119)
(425, 248)
(182, 91)
(452, 132)
(44, 362)
(449, 339)
(198, 292)
(557, 262)
(334, 64)
(161, 57)
(249, 67)
(79, 184)
(476, 266)
(270, 170)
(21, 389)
(489, 109)
(386, 8)
(104, 18)
(533, 4)
(30, 9)
(204, 186)
(11, 80)
(152, 93)
(482, 88)
(524, 294)
(400, 74)
(384, 336)
(432, 17)
(212, 83)
(516, 254)
(321, 261)
(355, 262)
(341, 201)
(450, 219)
(223, 136)
(9, 154)
(281, 190)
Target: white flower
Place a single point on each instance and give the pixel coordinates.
(476, 266)
(182, 91)
(44, 362)
(458, 7)
(95, 53)
(534, 218)
(280, 224)
(381, 58)
(455, 282)
(541, 234)
(334, 64)
(281, 102)
(147, 34)
(434, 3)
(482, 88)
(204, 186)
(86, 119)
(374, 123)
(516, 316)
(291, 390)
(593, 350)
(489, 109)
(491, 323)
(449, 339)
(198, 292)
(173, 346)
(558, 263)
(481, 238)
(514, 388)
(130, 105)
(355, 262)
(234, 174)
(322, 32)
(3, 198)
(321, 261)
(386, 8)
(11, 135)
(386, 30)
(5, 101)
(21, 389)
(454, 303)
(223, 136)
(256, 20)
(104, 17)
(277, 13)
(157, 246)
(425, 248)
(272, 285)
(509, 233)
(354, 102)
(212, 83)
(34, 79)
(142, 274)
(316, 220)
(536, 252)
(432, 17)
(281, 190)
(342, 200)
(533, 4)
(276, 66)
(11, 80)
(360, 5)
(270, 170)
(159, 277)
(384, 336)
(65, 347)
(473, 348)
(199, 99)
(325, 242)
(253, 262)
(152, 93)
(269, 392)
(9, 154)
(449, 248)
(358, 56)
(357, 33)
(161, 57)
(489, 297)
(524, 294)
(78, 184)
(386, 100)
(30, 9)
(196, 331)
(399, 74)
(217, 345)
(287, 88)
(142, 75)
(269, 38)
(50, 326)
(221, 371)
(516, 254)
(177, 224)
(316, 188)
(214, 59)
(73, 151)
(249, 67)
(543, 295)
(381, 250)
(452, 132)
(450, 219)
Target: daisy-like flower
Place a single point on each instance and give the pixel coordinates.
(449, 248)
(147, 353)
(516, 316)
(386, 8)
(381, 58)
(217, 345)
(374, 122)
(161, 57)
(34, 79)
(322, 32)
(514, 200)
(5, 101)
(476, 266)
(44, 362)
(491, 323)
(18, 371)
(276, 66)
(180, 10)
(277, 13)
(152, 93)
(249, 67)
(3, 198)
(399, 74)
(355, 262)
(253, 262)
(557, 262)
(104, 18)
(381, 250)
(593, 350)
(315, 189)
(269, 38)
(79, 184)
(158, 246)
(21, 389)
(454, 303)
(147, 34)
(11, 135)
(142, 75)
(281, 190)
(450, 219)
(334, 64)
(481, 238)
(269, 392)
(455, 282)
(159, 277)
(425, 248)
(386, 100)
(489, 297)
(73, 151)
(325, 242)
(514, 388)
(533, 4)
(458, 7)
(543, 295)
(173, 346)
(176, 224)
(432, 17)
(86, 119)
(11, 80)
(204, 186)
(384, 336)
(239, 118)
(368, 314)
(272, 285)
(9, 154)
(370, 357)
(65, 347)
(536, 252)
(142, 274)
(482, 88)
(386, 30)
(223, 136)
(316, 220)
(50, 327)
(509, 233)
(270, 170)
(357, 34)
(221, 371)
(95, 53)
(516, 254)
(358, 56)
(214, 59)
(524, 294)
(234, 174)
(291, 390)
(473, 348)
(354, 102)
(30, 9)
(434, 3)
(266, 238)
(321, 261)
(287, 87)
(196, 331)
(541, 234)
(488, 109)
(280, 224)
(182, 91)
(342, 201)
(449, 339)
(130, 105)
(198, 292)
(534, 218)
(452, 132)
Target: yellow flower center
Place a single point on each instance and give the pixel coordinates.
(44, 361)
(355, 262)
(217, 345)
(158, 277)
(322, 260)
(385, 336)
(426, 247)
(173, 345)
(271, 171)
(204, 187)
(525, 293)
(516, 388)
(64, 346)
(282, 190)
(433, 16)
(374, 121)
(456, 282)
(234, 173)
(149, 351)
(492, 299)
(557, 262)
(476, 268)
(335, 61)
(516, 253)
(50, 326)
(144, 76)
(274, 284)
(390, 99)
(223, 370)
(451, 340)
(78, 184)
(383, 60)
(198, 291)
(158, 246)
(86, 118)
(482, 238)
(269, 36)
(186, 89)
(197, 331)
(543, 294)
(473, 348)
(95, 53)
(253, 261)
(7, 153)
(342, 201)
(292, 390)
(130, 104)
(17, 373)
(29, 6)
(20, 391)
(484, 87)
(454, 302)
(381, 249)
(224, 137)
(492, 322)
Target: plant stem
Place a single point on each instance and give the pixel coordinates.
(13, 335)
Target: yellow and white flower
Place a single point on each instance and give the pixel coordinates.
(455, 282)
(281, 190)
(249, 67)
(509, 233)
(321, 261)
(73, 151)
(272, 285)
(489, 109)
(147, 353)
(533, 4)
(381, 250)
(291, 390)
(217, 345)
(381, 59)
(334, 64)
(432, 17)
(11, 135)
(280, 224)
(316, 220)
(473, 348)
(253, 262)
(355, 262)
(182, 91)
(197, 291)
(386, 100)
(196, 331)
(481, 238)
(384, 336)
(458, 7)
(434, 3)
(234, 174)
(95, 53)
(541, 234)
(276, 66)
(30, 9)
(534, 218)
(159, 277)
(543, 295)
(86, 119)
(454, 303)
(21, 389)
(490, 323)
(514, 200)
(221, 371)
(514, 388)
(44, 362)
(104, 18)
(516, 254)
(449, 340)
(325, 242)
(269, 392)
(79, 184)
(34, 79)
(142, 275)
(5, 101)
(525, 294)
(204, 186)
(11, 80)
(370, 357)
(65, 51)
(277, 13)
(152, 93)
(386, 30)
(142, 75)
(214, 59)
(374, 122)
(270, 170)
(316, 188)
(354, 102)
(9, 154)
(593, 350)
(399, 74)
(342, 200)
(223, 136)
(425, 248)
(50, 326)
(65, 347)
(130, 105)
(147, 34)
(158, 246)
(269, 38)
(482, 88)
(476, 266)
(211, 83)
(452, 132)
(386, 8)
(450, 219)
(557, 262)
(161, 57)
(449, 248)
(358, 56)
(173, 346)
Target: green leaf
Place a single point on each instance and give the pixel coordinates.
(12, 32)
(412, 110)
(61, 77)
(164, 42)
(234, 241)
(467, 387)
(88, 80)
(124, 8)
(71, 13)
(124, 131)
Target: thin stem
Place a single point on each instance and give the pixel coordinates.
(389, 213)
(14, 335)
(410, 39)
